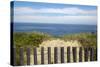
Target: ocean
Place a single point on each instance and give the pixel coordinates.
(54, 29)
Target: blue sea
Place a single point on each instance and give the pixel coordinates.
(54, 29)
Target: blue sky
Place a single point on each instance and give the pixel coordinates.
(36, 12)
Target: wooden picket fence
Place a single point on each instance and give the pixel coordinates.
(89, 53)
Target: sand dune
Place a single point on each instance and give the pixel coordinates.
(60, 43)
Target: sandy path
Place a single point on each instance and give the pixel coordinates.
(60, 43)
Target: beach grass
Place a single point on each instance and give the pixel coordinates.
(24, 39)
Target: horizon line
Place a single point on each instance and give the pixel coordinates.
(52, 23)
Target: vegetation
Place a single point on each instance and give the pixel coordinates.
(86, 39)
(32, 39)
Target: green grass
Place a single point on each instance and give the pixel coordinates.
(22, 39)
(86, 39)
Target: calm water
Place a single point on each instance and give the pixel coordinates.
(54, 29)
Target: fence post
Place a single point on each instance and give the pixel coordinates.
(96, 55)
(68, 54)
(28, 56)
(21, 56)
(14, 56)
(80, 54)
(74, 54)
(91, 54)
(42, 55)
(55, 55)
(35, 55)
(86, 53)
(62, 54)
(49, 55)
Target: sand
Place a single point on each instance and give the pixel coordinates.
(60, 43)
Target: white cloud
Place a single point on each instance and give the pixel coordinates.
(57, 19)
(70, 10)
(25, 14)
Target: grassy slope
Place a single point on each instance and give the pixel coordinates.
(36, 38)
(86, 39)
(29, 39)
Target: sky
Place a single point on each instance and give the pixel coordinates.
(38, 12)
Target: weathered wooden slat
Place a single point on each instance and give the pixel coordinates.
(42, 55)
(80, 54)
(74, 54)
(49, 55)
(28, 56)
(14, 57)
(21, 56)
(55, 55)
(68, 54)
(91, 54)
(96, 54)
(62, 54)
(86, 54)
(35, 55)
